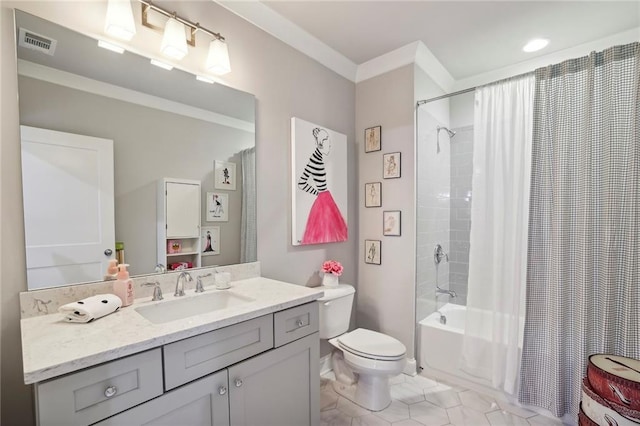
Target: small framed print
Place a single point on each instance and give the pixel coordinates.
(373, 194)
(225, 175)
(373, 139)
(210, 240)
(391, 223)
(372, 252)
(217, 207)
(391, 165)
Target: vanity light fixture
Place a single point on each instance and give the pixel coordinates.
(535, 45)
(218, 57)
(174, 41)
(179, 32)
(111, 47)
(161, 64)
(119, 22)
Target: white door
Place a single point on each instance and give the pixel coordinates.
(68, 197)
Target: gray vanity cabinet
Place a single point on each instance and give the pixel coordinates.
(278, 388)
(259, 372)
(204, 402)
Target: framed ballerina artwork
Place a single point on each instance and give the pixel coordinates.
(318, 184)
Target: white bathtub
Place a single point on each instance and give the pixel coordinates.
(440, 345)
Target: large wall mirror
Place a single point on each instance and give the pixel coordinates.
(162, 124)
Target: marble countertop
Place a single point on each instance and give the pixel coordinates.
(52, 347)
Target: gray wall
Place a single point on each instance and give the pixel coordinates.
(385, 295)
(149, 144)
(286, 83)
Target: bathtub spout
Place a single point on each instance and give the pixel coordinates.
(451, 293)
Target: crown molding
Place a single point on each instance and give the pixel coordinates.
(417, 52)
(286, 31)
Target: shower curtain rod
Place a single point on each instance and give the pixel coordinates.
(470, 89)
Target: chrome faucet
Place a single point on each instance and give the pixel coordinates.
(443, 319)
(199, 287)
(184, 275)
(157, 291)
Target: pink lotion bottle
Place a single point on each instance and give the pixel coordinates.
(123, 286)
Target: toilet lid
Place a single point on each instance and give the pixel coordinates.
(371, 344)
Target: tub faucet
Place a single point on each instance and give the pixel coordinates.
(451, 293)
(184, 276)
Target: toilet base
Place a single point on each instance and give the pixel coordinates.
(370, 392)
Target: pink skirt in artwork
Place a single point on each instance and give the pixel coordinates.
(325, 223)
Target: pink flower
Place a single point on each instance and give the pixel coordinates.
(332, 267)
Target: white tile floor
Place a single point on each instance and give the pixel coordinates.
(419, 401)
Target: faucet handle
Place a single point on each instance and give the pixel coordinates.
(157, 291)
(199, 287)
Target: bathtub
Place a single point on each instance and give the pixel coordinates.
(440, 345)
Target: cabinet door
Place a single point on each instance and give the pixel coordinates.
(183, 209)
(278, 388)
(204, 402)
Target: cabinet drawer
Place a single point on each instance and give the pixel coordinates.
(96, 393)
(198, 356)
(295, 323)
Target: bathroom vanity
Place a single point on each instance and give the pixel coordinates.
(251, 362)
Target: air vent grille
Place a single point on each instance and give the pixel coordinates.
(38, 42)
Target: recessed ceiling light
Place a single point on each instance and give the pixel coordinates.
(535, 45)
(161, 65)
(111, 47)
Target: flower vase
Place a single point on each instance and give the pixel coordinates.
(330, 280)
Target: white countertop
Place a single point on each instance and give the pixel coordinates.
(52, 347)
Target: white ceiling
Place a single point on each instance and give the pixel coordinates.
(467, 37)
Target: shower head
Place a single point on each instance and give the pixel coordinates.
(450, 132)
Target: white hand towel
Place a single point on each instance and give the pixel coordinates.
(93, 307)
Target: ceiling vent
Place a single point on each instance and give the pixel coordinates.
(38, 42)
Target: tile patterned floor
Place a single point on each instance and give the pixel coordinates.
(420, 401)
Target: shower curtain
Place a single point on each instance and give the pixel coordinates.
(248, 218)
(498, 240)
(583, 290)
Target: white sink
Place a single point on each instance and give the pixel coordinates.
(189, 306)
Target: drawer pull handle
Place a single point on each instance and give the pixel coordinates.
(238, 383)
(222, 390)
(110, 391)
(299, 323)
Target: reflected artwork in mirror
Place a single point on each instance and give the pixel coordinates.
(159, 124)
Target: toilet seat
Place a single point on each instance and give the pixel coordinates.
(372, 345)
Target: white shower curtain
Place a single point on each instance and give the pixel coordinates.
(499, 229)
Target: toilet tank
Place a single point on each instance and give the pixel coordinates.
(335, 310)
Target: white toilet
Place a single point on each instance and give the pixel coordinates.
(363, 360)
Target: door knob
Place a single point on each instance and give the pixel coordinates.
(222, 390)
(108, 252)
(238, 383)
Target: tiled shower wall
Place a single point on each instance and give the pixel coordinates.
(433, 215)
(460, 212)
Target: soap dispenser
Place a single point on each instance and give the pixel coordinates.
(123, 286)
(112, 270)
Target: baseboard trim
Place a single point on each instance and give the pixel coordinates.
(410, 369)
(325, 364)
